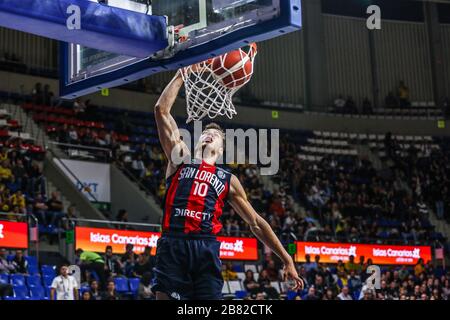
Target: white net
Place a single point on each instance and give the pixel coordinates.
(210, 85)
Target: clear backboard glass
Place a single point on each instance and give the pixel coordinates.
(198, 26)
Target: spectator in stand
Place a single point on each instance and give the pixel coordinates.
(37, 94)
(37, 180)
(122, 216)
(329, 295)
(110, 293)
(40, 209)
(144, 152)
(344, 295)
(260, 296)
(55, 209)
(361, 265)
(94, 290)
(232, 228)
(128, 259)
(419, 268)
(90, 112)
(228, 273)
(276, 206)
(388, 291)
(87, 296)
(142, 266)
(147, 254)
(6, 267)
(342, 279)
(20, 263)
(367, 107)
(63, 135)
(446, 290)
(79, 107)
(354, 282)
(64, 287)
(403, 95)
(339, 104)
(87, 138)
(393, 291)
(12, 185)
(250, 284)
(350, 106)
(48, 95)
(350, 265)
(5, 171)
(145, 287)
(20, 174)
(266, 286)
(340, 267)
(70, 216)
(368, 295)
(123, 123)
(319, 285)
(92, 262)
(138, 167)
(113, 265)
(446, 107)
(308, 265)
(391, 101)
(73, 135)
(272, 271)
(18, 200)
(311, 295)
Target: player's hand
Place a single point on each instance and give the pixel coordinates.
(290, 273)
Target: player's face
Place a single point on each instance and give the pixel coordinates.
(212, 140)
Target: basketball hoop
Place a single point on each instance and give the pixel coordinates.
(210, 85)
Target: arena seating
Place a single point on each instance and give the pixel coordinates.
(135, 128)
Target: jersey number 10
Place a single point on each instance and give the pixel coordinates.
(200, 189)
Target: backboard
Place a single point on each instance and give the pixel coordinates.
(196, 30)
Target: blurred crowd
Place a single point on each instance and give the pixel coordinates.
(339, 198)
(102, 276)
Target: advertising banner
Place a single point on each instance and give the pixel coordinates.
(13, 235)
(96, 240)
(93, 176)
(380, 254)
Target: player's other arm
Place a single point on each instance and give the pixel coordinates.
(262, 230)
(168, 132)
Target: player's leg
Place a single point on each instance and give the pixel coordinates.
(207, 276)
(172, 279)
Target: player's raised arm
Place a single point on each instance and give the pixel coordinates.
(169, 134)
(262, 230)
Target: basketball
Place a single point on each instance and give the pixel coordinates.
(234, 69)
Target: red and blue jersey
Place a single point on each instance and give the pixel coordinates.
(194, 200)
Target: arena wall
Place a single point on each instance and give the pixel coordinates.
(34, 51)
(445, 36)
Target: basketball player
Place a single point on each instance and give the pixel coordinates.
(187, 259)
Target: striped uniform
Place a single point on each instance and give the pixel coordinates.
(188, 263)
(195, 199)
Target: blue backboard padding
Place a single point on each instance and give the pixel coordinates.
(289, 21)
(102, 27)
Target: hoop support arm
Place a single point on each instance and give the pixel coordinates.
(89, 24)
